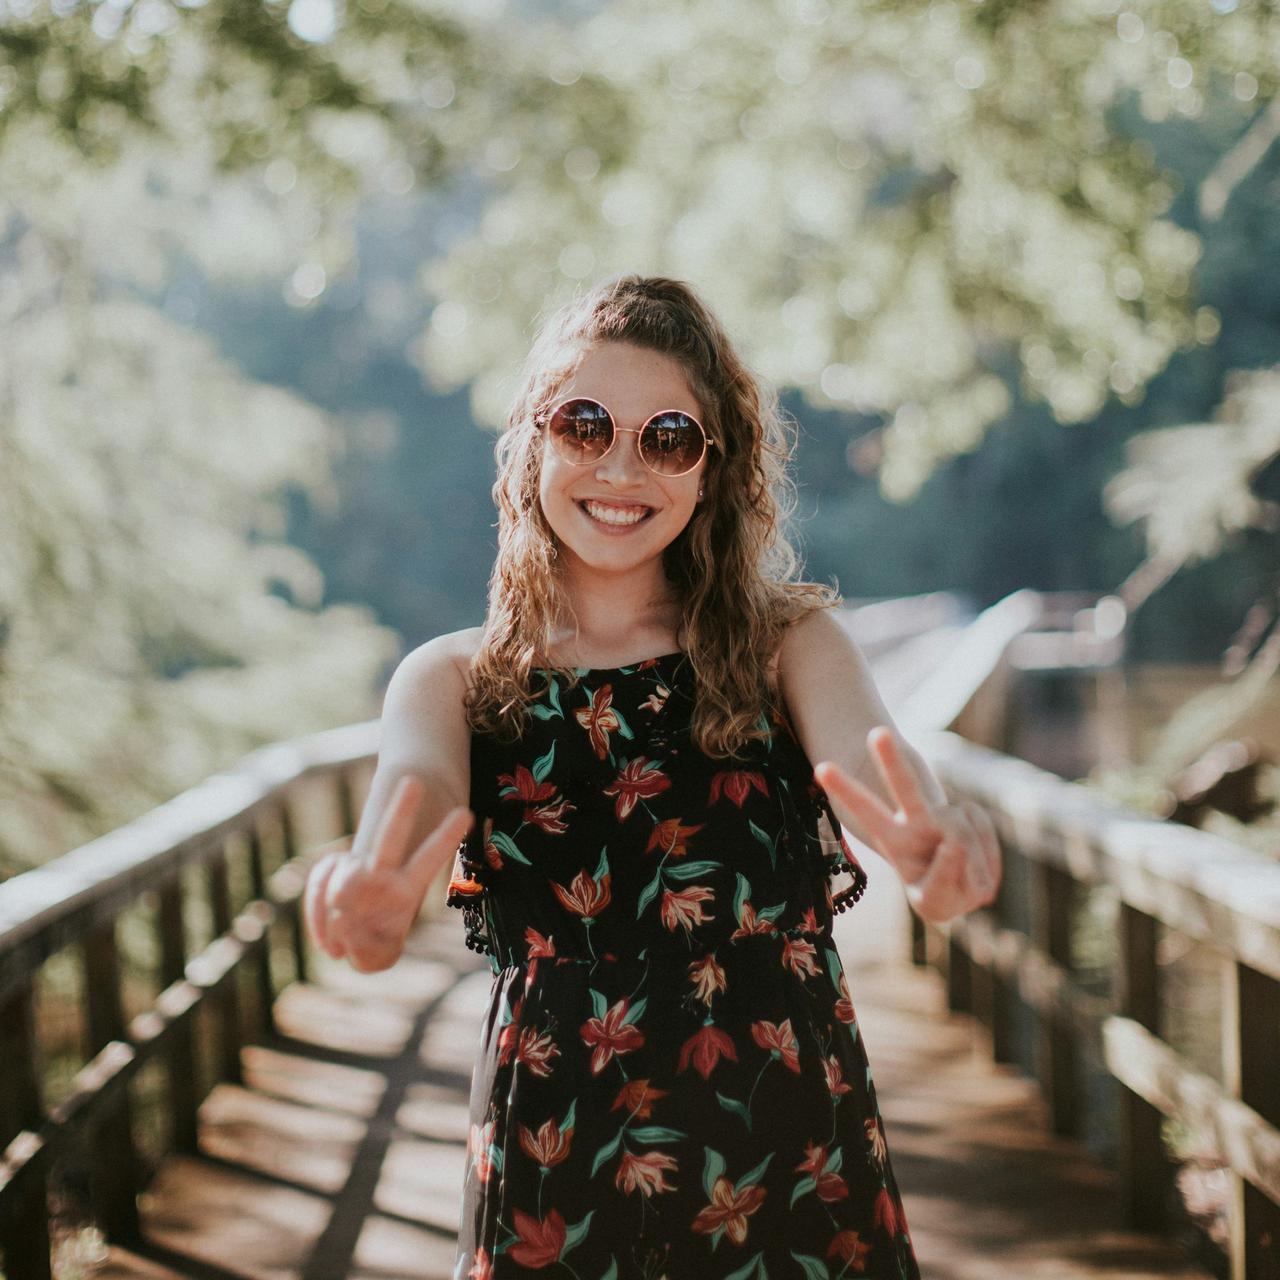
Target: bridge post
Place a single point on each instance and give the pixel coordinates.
(231, 1031)
(1052, 913)
(113, 1171)
(180, 1052)
(297, 927)
(1144, 1170)
(1251, 1050)
(262, 966)
(24, 1229)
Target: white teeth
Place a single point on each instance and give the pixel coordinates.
(615, 515)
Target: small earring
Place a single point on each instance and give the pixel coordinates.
(700, 491)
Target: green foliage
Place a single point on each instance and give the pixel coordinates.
(883, 199)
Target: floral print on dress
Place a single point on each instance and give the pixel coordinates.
(670, 1078)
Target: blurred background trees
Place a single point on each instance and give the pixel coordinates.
(264, 266)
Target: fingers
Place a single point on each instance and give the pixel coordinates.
(396, 825)
(315, 909)
(439, 846)
(899, 777)
(867, 807)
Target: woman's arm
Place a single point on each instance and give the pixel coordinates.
(362, 902)
(884, 793)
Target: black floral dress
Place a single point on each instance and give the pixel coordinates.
(670, 1080)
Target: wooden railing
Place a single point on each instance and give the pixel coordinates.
(234, 850)
(1014, 967)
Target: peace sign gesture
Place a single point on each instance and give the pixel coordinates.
(363, 907)
(947, 855)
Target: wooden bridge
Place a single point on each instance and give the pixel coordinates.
(185, 1090)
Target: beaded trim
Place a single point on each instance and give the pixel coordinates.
(842, 859)
(466, 891)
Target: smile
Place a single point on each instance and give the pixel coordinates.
(619, 515)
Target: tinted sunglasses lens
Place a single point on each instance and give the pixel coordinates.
(581, 430)
(672, 443)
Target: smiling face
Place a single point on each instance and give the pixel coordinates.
(615, 515)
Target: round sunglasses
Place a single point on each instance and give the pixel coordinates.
(582, 431)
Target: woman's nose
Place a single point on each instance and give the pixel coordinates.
(622, 464)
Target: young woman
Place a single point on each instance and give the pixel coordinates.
(671, 1080)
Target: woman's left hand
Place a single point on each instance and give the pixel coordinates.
(947, 855)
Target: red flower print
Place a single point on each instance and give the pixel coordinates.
(888, 1212)
(492, 854)
(778, 1037)
(830, 1186)
(656, 700)
(844, 1006)
(540, 1242)
(850, 1248)
(683, 907)
(636, 1097)
(645, 1173)
(585, 896)
(800, 956)
(550, 1146)
(550, 817)
(638, 780)
(671, 837)
(708, 977)
(536, 1051)
(479, 1148)
(481, 1267)
(610, 1035)
(523, 787)
(749, 923)
(729, 1209)
(836, 1083)
(809, 922)
(875, 1138)
(736, 785)
(599, 719)
(704, 1049)
(538, 944)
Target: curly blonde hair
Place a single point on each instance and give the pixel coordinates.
(732, 565)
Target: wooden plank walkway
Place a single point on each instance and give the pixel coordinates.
(341, 1155)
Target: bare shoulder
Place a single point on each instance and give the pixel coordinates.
(819, 644)
(424, 712)
(440, 663)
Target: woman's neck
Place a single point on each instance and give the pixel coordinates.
(622, 618)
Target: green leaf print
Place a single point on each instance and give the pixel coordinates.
(802, 1188)
(599, 1005)
(743, 1272)
(636, 1011)
(542, 765)
(507, 847)
(602, 868)
(624, 729)
(738, 1108)
(833, 966)
(612, 1272)
(760, 834)
(814, 1268)
(687, 870)
(648, 894)
(750, 1179)
(567, 1122)
(605, 1152)
(771, 913)
(575, 1233)
(713, 1169)
(656, 1133)
(741, 897)
(835, 1161)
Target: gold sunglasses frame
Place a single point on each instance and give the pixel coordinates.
(707, 441)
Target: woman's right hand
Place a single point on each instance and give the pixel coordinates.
(362, 907)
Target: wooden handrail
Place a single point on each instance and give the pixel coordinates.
(76, 902)
(1058, 836)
